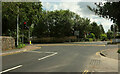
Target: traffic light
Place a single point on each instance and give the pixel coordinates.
(24, 23)
(25, 26)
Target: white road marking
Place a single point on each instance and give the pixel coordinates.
(48, 56)
(40, 52)
(11, 69)
(35, 51)
(49, 52)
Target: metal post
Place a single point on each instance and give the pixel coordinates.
(114, 33)
(29, 34)
(18, 27)
(22, 38)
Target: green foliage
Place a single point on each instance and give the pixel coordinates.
(21, 45)
(96, 30)
(108, 10)
(114, 27)
(55, 24)
(90, 39)
(103, 37)
(91, 35)
(109, 34)
(28, 12)
(118, 51)
(102, 29)
(41, 23)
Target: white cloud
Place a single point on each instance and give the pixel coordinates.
(79, 8)
(106, 23)
(73, 0)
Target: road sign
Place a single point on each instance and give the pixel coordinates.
(76, 33)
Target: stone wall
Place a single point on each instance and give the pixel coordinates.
(7, 42)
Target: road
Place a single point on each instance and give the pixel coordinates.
(63, 58)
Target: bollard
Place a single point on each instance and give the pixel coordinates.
(30, 42)
(111, 40)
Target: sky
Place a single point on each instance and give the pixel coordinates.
(79, 7)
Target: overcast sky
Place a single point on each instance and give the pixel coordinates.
(79, 8)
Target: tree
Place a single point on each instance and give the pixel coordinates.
(108, 10)
(102, 29)
(82, 25)
(56, 23)
(96, 30)
(28, 12)
(114, 28)
(109, 34)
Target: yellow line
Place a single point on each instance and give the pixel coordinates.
(85, 72)
(70, 45)
(97, 53)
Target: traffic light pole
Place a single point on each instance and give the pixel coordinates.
(18, 27)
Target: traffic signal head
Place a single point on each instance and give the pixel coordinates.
(24, 23)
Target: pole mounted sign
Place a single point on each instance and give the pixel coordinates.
(76, 33)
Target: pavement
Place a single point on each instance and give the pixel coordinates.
(111, 53)
(15, 51)
(106, 61)
(63, 57)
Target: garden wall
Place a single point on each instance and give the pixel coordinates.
(7, 42)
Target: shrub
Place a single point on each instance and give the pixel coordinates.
(103, 37)
(91, 35)
(86, 39)
(90, 39)
(21, 45)
(118, 51)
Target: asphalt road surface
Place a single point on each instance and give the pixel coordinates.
(72, 58)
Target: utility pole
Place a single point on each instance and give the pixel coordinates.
(18, 26)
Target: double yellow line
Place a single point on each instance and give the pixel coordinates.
(85, 72)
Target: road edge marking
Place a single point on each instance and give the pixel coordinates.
(11, 69)
(11, 53)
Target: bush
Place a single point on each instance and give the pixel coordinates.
(118, 51)
(21, 45)
(103, 37)
(90, 39)
(91, 36)
(86, 39)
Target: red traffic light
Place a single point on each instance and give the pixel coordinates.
(24, 22)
